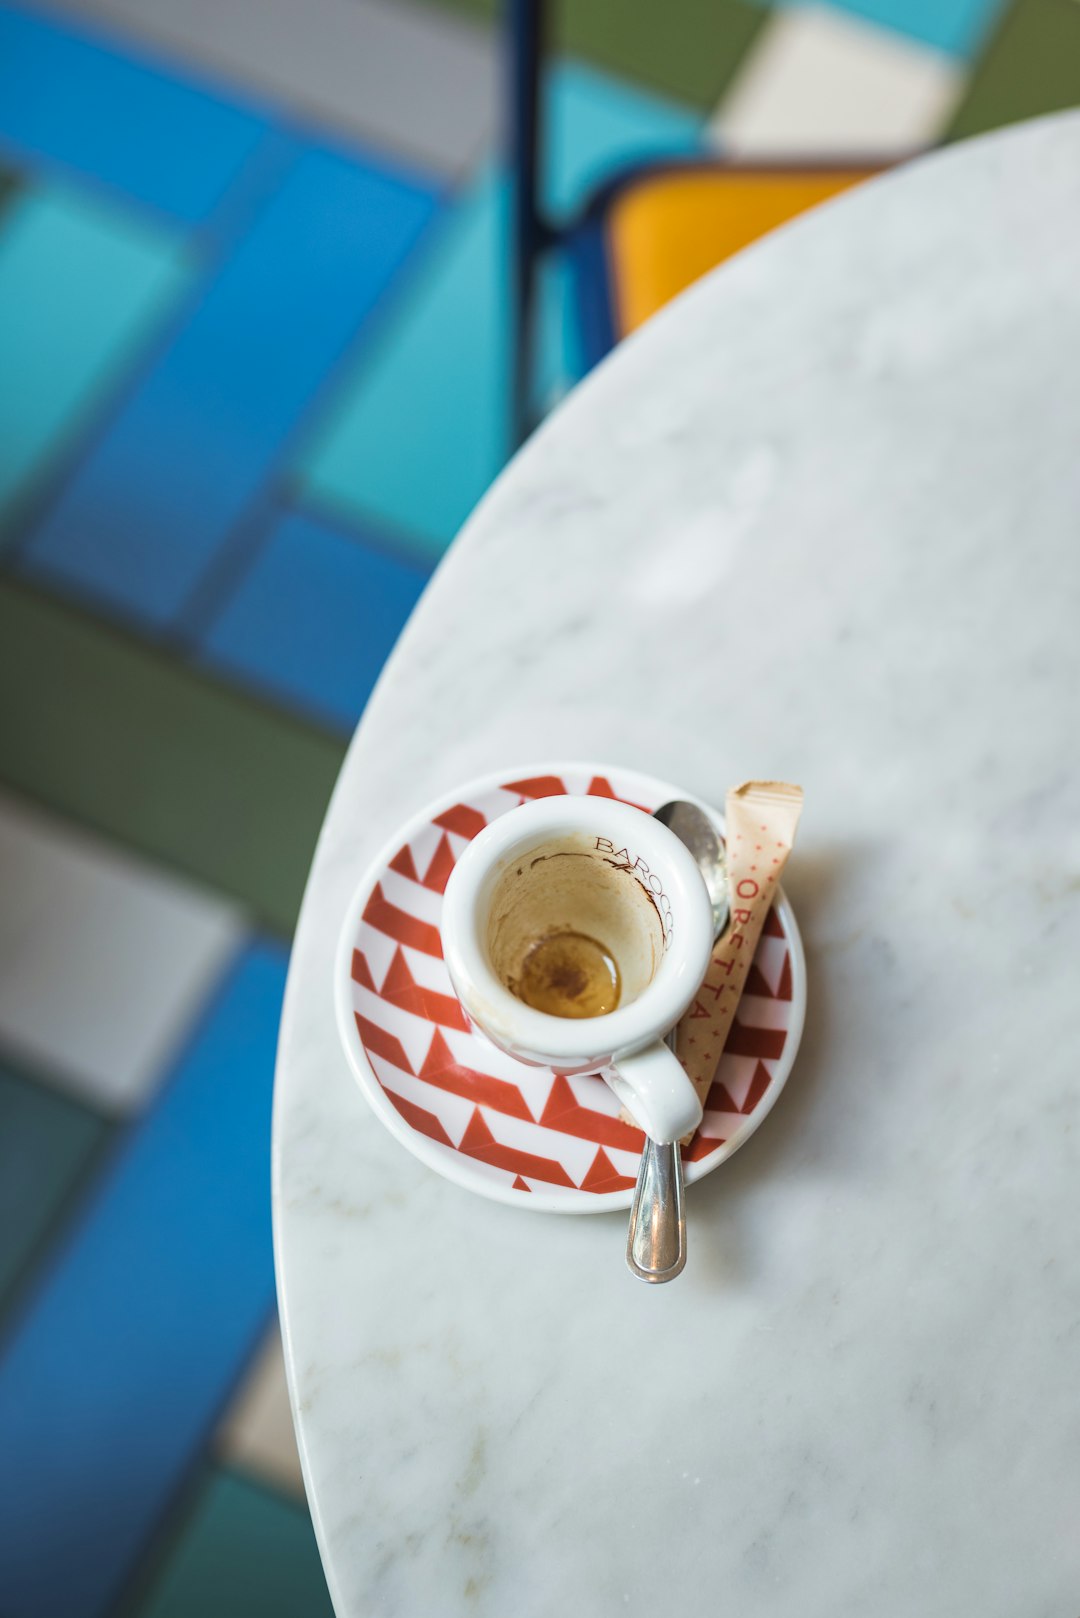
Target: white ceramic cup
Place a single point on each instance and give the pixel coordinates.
(616, 875)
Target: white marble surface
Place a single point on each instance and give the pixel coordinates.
(820, 521)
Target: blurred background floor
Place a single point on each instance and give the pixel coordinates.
(254, 373)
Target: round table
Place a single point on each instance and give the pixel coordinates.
(819, 521)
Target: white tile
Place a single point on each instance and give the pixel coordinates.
(422, 84)
(824, 84)
(257, 1434)
(103, 958)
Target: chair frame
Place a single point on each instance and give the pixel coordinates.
(534, 234)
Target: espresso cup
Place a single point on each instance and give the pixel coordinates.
(565, 869)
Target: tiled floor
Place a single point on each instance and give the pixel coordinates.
(106, 959)
(819, 81)
(253, 374)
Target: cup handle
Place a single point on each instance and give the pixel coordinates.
(654, 1086)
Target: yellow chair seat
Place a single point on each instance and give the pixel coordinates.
(666, 228)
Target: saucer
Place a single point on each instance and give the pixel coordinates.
(515, 1133)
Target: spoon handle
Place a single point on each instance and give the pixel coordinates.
(656, 1242)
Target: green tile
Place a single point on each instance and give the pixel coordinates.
(482, 10)
(8, 188)
(244, 1552)
(83, 286)
(687, 48)
(1031, 66)
(172, 763)
(47, 1143)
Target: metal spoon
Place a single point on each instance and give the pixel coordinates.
(656, 1241)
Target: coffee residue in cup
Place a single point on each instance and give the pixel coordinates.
(568, 974)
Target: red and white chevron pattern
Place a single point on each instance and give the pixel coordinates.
(525, 1126)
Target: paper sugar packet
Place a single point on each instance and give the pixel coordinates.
(761, 818)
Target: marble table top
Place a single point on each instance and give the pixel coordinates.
(819, 521)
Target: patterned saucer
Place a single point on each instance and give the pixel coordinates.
(515, 1133)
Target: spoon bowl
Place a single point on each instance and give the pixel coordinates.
(695, 830)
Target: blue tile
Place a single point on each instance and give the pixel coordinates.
(422, 426)
(152, 506)
(123, 1357)
(315, 618)
(958, 27)
(66, 99)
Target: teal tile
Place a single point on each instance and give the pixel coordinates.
(82, 287)
(421, 426)
(244, 1552)
(598, 124)
(956, 26)
(47, 1143)
(559, 362)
